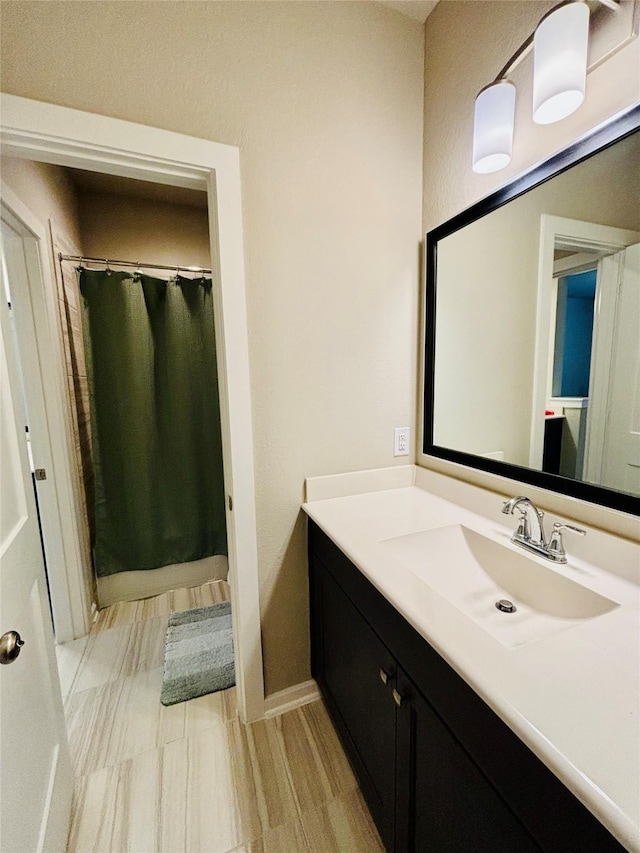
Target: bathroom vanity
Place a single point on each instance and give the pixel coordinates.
(464, 735)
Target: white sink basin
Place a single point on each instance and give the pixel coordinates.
(473, 572)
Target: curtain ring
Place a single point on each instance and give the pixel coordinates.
(108, 267)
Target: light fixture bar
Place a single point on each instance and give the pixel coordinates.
(521, 53)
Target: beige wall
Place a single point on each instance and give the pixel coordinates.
(457, 66)
(324, 101)
(140, 229)
(47, 192)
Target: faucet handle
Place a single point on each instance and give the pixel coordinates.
(559, 527)
(556, 546)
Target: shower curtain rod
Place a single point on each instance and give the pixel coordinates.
(137, 264)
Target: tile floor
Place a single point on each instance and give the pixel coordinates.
(191, 778)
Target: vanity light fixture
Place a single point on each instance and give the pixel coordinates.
(560, 48)
(493, 127)
(560, 44)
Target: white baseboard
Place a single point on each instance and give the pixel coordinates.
(292, 697)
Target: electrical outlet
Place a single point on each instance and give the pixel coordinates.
(401, 441)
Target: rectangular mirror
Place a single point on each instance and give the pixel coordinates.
(532, 362)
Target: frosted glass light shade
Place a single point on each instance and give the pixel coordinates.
(493, 127)
(560, 62)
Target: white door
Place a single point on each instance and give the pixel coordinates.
(36, 779)
(621, 450)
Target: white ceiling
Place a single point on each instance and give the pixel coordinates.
(417, 9)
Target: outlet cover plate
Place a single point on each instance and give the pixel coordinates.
(401, 436)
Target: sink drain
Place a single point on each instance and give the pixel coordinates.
(506, 606)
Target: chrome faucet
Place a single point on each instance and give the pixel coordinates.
(530, 530)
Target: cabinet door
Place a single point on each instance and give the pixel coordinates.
(353, 667)
(445, 803)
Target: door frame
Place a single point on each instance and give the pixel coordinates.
(67, 137)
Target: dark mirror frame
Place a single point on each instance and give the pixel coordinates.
(599, 139)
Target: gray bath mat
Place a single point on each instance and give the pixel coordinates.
(198, 654)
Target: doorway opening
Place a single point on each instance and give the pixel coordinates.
(60, 136)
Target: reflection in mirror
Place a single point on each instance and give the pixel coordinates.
(587, 432)
(536, 354)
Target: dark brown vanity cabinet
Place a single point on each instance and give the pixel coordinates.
(441, 773)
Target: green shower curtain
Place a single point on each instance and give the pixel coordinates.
(157, 449)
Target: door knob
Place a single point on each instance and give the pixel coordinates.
(10, 645)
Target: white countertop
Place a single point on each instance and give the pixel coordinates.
(573, 698)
